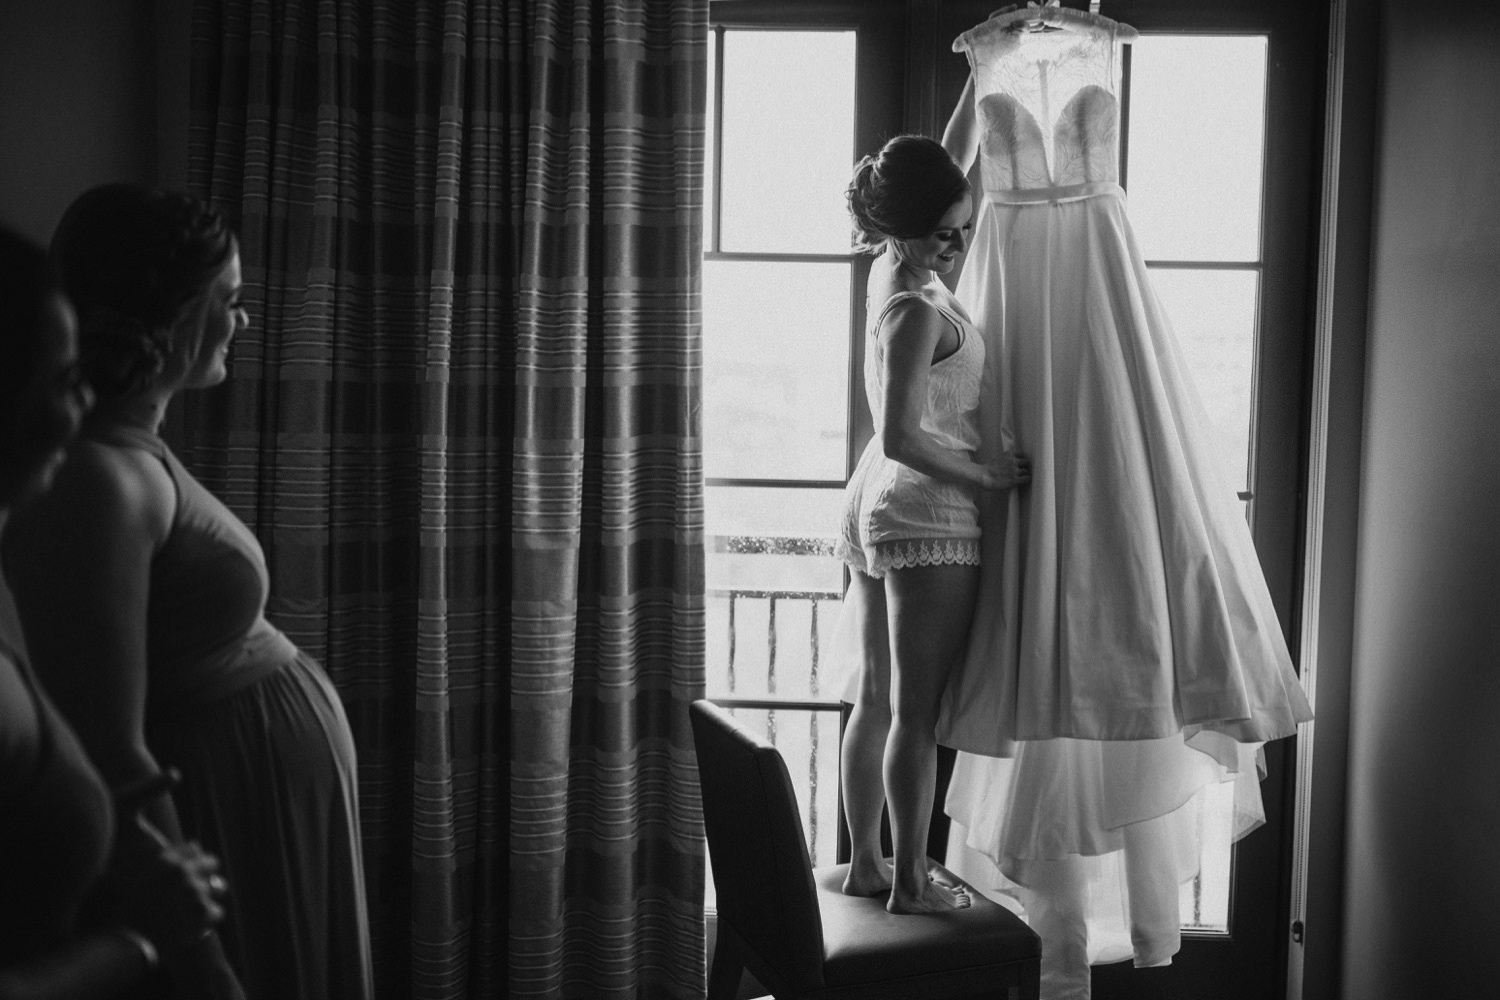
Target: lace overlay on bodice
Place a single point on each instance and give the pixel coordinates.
(1044, 101)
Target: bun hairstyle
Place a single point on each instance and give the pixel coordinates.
(902, 191)
(130, 258)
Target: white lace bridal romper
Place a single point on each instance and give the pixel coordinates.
(1124, 632)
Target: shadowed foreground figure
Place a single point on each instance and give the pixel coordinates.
(144, 596)
(90, 899)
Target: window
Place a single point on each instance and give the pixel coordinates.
(1196, 209)
(791, 107)
(796, 92)
(778, 280)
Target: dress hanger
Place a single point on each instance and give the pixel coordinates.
(1024, 16)
(1050, 15)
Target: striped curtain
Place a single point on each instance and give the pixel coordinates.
(465, 427)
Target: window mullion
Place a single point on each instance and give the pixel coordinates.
(718, 141)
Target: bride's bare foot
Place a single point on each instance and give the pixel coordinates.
(937, 873)
(868, 880)
(932, 897)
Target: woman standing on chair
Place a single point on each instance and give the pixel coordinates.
(910, 532)
(143, 599)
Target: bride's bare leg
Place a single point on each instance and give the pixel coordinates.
(929, 611)
(864, 741)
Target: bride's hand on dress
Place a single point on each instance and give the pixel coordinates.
(1010, 470)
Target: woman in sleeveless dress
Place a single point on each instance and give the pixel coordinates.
(910, 529)
(62, 845)
(143, 597)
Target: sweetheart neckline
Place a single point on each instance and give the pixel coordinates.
(1067, 115)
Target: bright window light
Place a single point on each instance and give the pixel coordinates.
(788, 140)
(1196, 145)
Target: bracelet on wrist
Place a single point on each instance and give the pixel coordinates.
(142, 945)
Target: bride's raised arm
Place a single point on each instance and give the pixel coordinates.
(961, 136)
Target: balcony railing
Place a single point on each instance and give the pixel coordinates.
(766, 666)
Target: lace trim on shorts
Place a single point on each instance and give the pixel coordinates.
(923, 552)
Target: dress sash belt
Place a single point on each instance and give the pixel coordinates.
(1054, 195)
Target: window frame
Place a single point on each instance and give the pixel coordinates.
(879, 102)
(915, 89)
(879, 99)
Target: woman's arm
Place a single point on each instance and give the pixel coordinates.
(961, 136)
(911, 337)
(93, 967)
(163, 906)
(79, 562)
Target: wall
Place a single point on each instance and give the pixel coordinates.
(1422, 875)
(90, 91)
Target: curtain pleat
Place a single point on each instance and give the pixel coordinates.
(465, 425)
(607, 858)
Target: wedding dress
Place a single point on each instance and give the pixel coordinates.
(1126, 662)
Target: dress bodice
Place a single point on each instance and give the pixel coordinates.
(1045, 101)
(206, 630)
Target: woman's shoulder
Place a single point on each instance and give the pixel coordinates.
(908, 306)
(107, 485)
(119, 472)
(905, 298)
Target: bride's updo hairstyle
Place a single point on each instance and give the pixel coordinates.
(130, 258)
(903, 191)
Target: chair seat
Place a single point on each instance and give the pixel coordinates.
(863, 942)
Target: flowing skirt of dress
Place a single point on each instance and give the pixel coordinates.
(1094, 842)
(1123, 597)
(1126, 662)
(269, 785)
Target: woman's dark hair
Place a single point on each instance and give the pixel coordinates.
(130, 258)
(902, 191)
(27, 281)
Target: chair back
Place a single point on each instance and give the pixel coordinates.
(762, 872)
